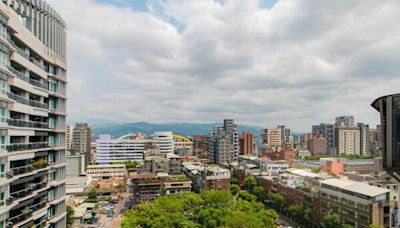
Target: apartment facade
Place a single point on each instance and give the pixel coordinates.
(327, 130)
(32, 115)
(201, 145)
(317, 145)
(81, 139)
(207, 177)
(246, 143)
(358, 204)
(224, 143)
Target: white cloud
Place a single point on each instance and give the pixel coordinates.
(299, 63)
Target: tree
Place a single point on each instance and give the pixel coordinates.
(208, 209)
(92, 194)
(247, 196)
(277, 200)
(331, 221)
(235, 189)
(259, 192)
(234, 181)
(70, 215)
(249, 183)
(297, 212)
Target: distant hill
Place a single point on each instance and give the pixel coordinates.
(185, 129)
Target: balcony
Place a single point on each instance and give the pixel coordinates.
(38, 186)
(22, 169)
(37, 63)
(23, 100)
(25, 78)
(20, 51)
(21, 193)
(26, 123)
(21, 217)
(26, 146)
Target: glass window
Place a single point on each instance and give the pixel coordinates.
(3, 31)
(53, 87)
(2, 146)
(4, 59)
(1, 198)
(3, 88)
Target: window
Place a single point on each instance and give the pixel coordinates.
(2, 146)
(53, 87)
(3, 88)
(2, 170)
(2, 114)
(3, 31)
(4, 59)
(51, 194)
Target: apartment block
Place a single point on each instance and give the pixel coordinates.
(201, 145)
(224, 143)
(246, 143)
(328, 132)
(206, 177)
(81, 139)
(317, 145)
(358, 204)
(147, 187)
(32, 115)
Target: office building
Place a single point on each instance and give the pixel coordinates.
(317, 145)
(164, 141)
(328, 132)
(358, 204)
(201, 145)
(246, 143)
(224, 143)
(32, 115)
(104, 172)
(81, 138)
(274, 138)
(364, 138)
(126, 148)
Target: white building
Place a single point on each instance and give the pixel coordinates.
(126, 148)
(164, 141)
(32, 115)
(100, 172)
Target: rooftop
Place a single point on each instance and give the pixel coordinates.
(357, 187)
(106, 166)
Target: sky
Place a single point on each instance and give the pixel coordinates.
(263, 63)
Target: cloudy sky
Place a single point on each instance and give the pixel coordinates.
(293, 62)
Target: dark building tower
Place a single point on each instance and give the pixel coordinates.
(224, 143)
(246, 143)
(200, 145)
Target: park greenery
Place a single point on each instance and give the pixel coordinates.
(348, 156)
(70, 215)
(217, 208)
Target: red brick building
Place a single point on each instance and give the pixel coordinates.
(246, 143)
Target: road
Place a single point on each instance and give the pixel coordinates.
(114, 222)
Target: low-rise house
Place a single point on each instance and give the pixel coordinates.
(101, 172)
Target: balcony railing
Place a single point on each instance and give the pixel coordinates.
(26, 101)
(19, 218)
(37, 63)
(40, 185)
(26, 123)
(26, 146)
(20, 51)
(22, 169)
(21, 193)
(25, 78)
(38, 206)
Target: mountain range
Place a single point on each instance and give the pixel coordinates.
(185, 129)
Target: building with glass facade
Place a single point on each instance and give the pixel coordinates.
(32, 115)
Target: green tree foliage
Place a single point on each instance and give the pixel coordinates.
(207, 209)
(331, 221)
(234, 181)
(245, 195)
(92, 194)
(235, 189)
(249, 183)
(70, 215)
(276, 200)
(375, 226)
(259, 192)
(297, 212)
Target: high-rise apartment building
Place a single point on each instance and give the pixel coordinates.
(375, 140)
(246, 143)
(327, 130)
(224, 143)
(201, 145)
(345, 121)
(32, 115)
(364, 138)
(317, 145)
(274, 138)
(81, 139)
(68, 136)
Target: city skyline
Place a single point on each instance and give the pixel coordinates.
(259, 64)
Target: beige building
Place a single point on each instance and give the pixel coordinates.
(348, 140)
(274, 138)
(100, 172)
(68, 136)
(317, 145)
(358, 204)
